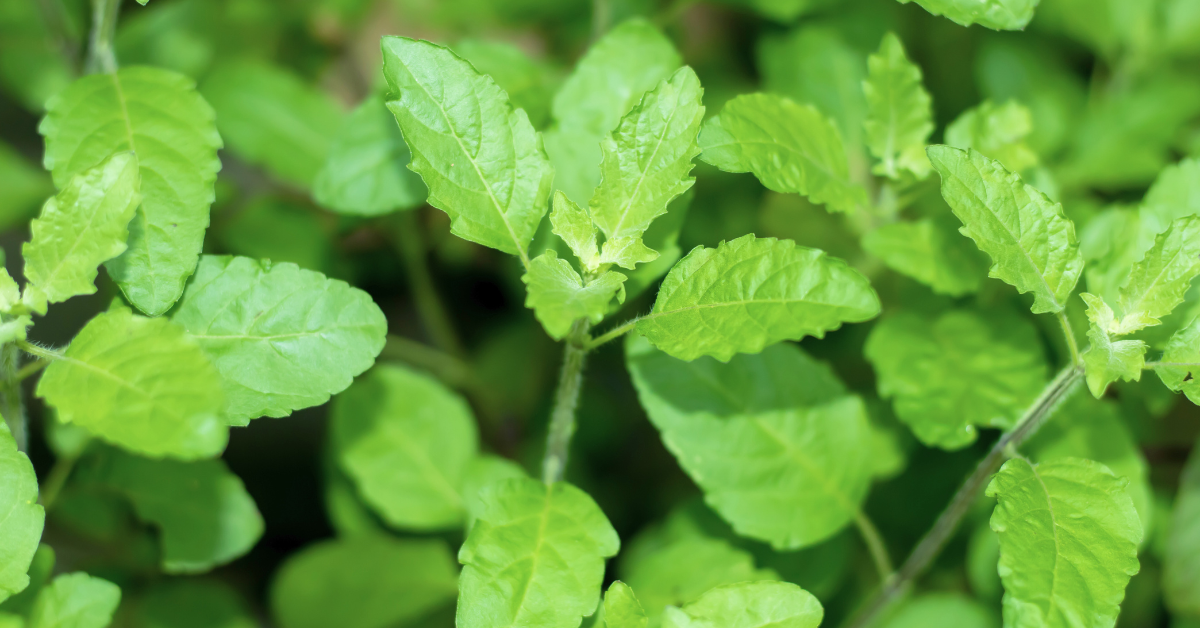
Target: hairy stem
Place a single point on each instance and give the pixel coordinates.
(11, 406)
(1069, 334)
(101, 56)
(562, 418)
(934, 540)
(612, 334)
(429, 305)
(40, 352)
(876, 546)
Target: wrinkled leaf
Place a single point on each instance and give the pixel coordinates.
(559, 297)
(899, 112)
(749, 605)
(1108, 360)
(1180, 362)
(1159, 281)
(1001, 15)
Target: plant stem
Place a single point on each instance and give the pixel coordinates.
(934, 540)
(10, 395)
(45, 354)
(448, 368)
(612, 334)
(429, 304)
(875, 544)
(56, 480)
(1069, 333)
(562, 418)
(31, 368)
(101, 56)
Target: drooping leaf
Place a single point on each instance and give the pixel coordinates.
(749, 605)
(407, 443)
(622, 608)
(790, 148)
(364, 172)
(21, 528)
(1181, 560)
(948, 376)
(483, 163)
(140, 383)
(559, 297)
(943, 610)
(1068, 542)
(283, 338)
(82, 227)
(534, 557)
(751, 292)
(159, 116)
(192, 604)
(368, 581)
(1031, 243)
(930, 252)
(899, 112)
(1108, 360)
(1001, 15)
(996, 131)
(75, 600)
(783, 464)
(1180, 364)
(1159, 281)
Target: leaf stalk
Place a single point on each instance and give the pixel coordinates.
(102, 57)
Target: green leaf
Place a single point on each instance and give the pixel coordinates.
(899, 112)
(997, 131)
(75, 600)
(140, 383)
(574, 225)
(947, 376)
(25, 186)
(1181, 560)
(559, 297)
(364, 172)
(1180, 364)
(646, 160)
(10, 292)
(1031, 243)
(21, 528)
(192, 604)
(283, 338)
(484, 164)
(943, 610)
(782, 464)
(1068, 542)
(1159, 281)
(1106, 360)
(1001, 15)
(482, 471)
(534, 557)
(622, 608)
(407, 443)
(790, 148)
(750, 605)
(1175, 194)
(529, 83)
(158, 115)
(272, 118)
(930, 252)
(752, 292)
(203, 513)
(363, 582)
(82, 227)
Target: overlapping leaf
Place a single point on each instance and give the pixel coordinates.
(1108, 360)
(899, 112)
(930, 252)
(1001, 15)
(21, 528)
(559, 297)
(997, 131)
(75, 600)
(1180, 364)
(749, 605)
(1181, 558)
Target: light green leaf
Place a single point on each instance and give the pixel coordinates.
(364, 172)
(85, 225)
(930, 252)
(484, 164)
(1107, 361)
(1158, 282)
(272, 118)
(10, 292)
(997, 131)
(529, 82)
(899, 112)
(21, 528)
(574, 225)
(192, 604)
(963, 370)
(1068, 542)
(750, 605)
(622, 608)
(790, 148)
(627, 252)
(1001, 15)
(781, 463)
(15, 329)
(159, 116)
(534, 557)
(203, 513)
(407, 443)
(75, 600)
(559, 297)
(943, 610)
(646, 160)
(1180, 364)
(752, 292)
(482, 471)
(283, 338)
(363, 582)
(140, 383)
(1175, 194)
(1181, 560)
(1031, 243)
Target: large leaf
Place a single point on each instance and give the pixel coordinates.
(1181, 560)
(75, 600)
(899, 112)
(930, 252)
(782, 463)
(1179, 368)
(559, 297)
(789, 147)
(481, 159)
(1068, 542)
(751, 292)
(82, 227)
(749, 605)
(997, 131)
(1158, 282)
(363, 582)
(21, 527)
(140, 383)
(535, 557)
(283, 338)
(158, 115)
(1032, 245)
(1107, 360)
(1001, 15)
(963, 370)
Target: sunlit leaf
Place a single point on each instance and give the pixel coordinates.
(21, 528)
(749, 605)
(1007, 15)
(1159, 281)
(559, 297)
(997, 131)
(899, 112)
(1108, 360)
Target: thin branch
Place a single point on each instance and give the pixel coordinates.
(876, 546)
(449, 368)
(55, 481)
(433, 313)
(562, 418)
(612, 334)
(102, 58)
(1069, 334)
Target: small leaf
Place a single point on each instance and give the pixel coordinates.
(484, 164)
(622, 609)
(1159, 281)
(10, 292)
(997, 131)
(574, 225)
(749, 605)
(82, 227)
(283, 338)
(790, 148)
(1107, 361)
(899, 112)
(559, 297)
(21, 527)
(75, 600)
(534, 557)
(1031, 243)
(931, 253)
(627, 252)
(752, 292)
(1180, 364)
(1068, 542)
(1001, 15)
(1181, 559)
(140, 383)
